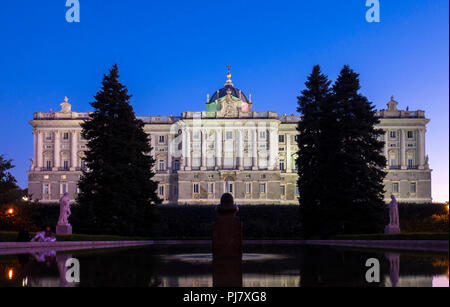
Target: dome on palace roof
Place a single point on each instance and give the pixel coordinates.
(229, 87)
(234, 92)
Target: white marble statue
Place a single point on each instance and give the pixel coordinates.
(64, 210)
(393, 212)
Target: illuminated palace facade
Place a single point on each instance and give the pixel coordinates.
(227, 148)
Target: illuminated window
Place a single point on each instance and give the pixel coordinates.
(210, 188)
(248, 188)
(395, 187)
(262, 188)
(196, 188)
(46, 188)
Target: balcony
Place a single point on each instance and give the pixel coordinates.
(413, 166)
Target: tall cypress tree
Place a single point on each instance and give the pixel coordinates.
(116, 189)
(359, 180)
(310, 104)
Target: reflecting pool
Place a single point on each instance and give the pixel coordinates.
(193, 266)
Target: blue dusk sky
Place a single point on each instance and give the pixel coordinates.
(172, 53)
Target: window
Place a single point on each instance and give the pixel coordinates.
(196, 135)
(66, 165)
(395, 187)
(161, 165)
(65, 136)
(83, 165)
(63, 177)
(231, 188)
(412, 187)
(283, 190)
(262, 188)
(46, 176)
(161, 190)
(410, 134)
(281, 138)
(176, 165)
(393, 134)
(296, 138)
(46, 188)
(281, 165)
(248, 176)
(49, 165)
(210, 188)
(211, 176)
(229, 135)
(196, 188)
(248, 188)
(63, 188)
(48, 136)
(262, 134)
(161, 139)
(297, 191)
(263, 176)
(410, 163)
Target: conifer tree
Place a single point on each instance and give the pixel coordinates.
(360, 160)
(310, 105)
(340, 162)
(117, 189)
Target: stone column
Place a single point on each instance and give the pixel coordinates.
(288, 154)
(240, 150)
(74, 149)
(188, 150)
(169, 153)
(273, 152)
(203, 166)
(57, 152)
(386, 147)
(255, 149)
(40, 144)
(34, 164)
(403, 149)
(421, 148)
(219, 148)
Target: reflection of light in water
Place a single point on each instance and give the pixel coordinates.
(410, 281)
(25, 282)
(249, 280)
(204, 258)
(10, 274)
(440, 281)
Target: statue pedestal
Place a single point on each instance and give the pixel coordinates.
(391, 229)
(227, 237)
(64, 229)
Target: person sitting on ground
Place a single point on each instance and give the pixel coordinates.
(44, 236)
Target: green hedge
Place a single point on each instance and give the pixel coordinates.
(259, 221)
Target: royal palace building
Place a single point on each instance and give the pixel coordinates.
(227, 148)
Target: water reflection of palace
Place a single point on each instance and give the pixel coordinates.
(249, 280)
